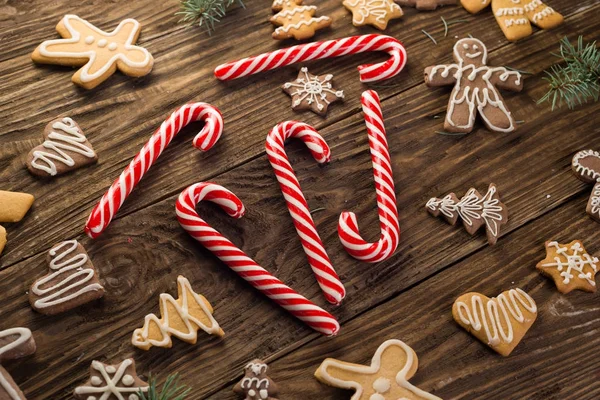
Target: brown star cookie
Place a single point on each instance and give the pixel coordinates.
(312, 92)
(570, 266)
(373, 12)
(426, 4)
(112, 382)
(256, 384)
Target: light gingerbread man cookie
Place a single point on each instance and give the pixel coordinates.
(100, 53)
(475, 89)
(393, 364)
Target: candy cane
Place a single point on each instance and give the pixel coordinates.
(320, 50)
(348, 231)
(300, 307)
(298, 207)
(113, 199)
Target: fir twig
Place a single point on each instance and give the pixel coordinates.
(171, 390)
(429, 36)
(577, 79)
(447, 24)
(451, 133)
(204, 13)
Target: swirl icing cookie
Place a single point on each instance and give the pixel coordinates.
(65, 149)
(99, 53)
(112, 382)
(14, 343)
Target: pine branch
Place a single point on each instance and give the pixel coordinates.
(171, 389)
(577, 79)
(204, 13)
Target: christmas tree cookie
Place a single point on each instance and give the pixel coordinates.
(295, 20)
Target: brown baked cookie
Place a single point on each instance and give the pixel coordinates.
(593, 206)
(373, 12)
(295, 20)
(14, 343)
(312, 92)
(14, 205)
(586, 166)
(256, 384)
(72, 280)
(476, 89)
(2, 238)
(65, 149)
(474, 6)
(570, 266)
(112, 382)
(426, 4)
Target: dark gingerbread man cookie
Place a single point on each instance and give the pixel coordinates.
(256, 385)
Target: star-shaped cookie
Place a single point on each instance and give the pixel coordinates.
(373, 12)
(570, 266)
(312, 92)
(112, 382)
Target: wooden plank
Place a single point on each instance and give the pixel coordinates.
(146, 250)
(248, 113)
(555, 360)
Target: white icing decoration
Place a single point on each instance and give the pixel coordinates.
(515, 21)
(532, 5)
(102, 43)
(112, 385)
(373, 369)
(113, 46)
(24, 337)
(89, 40)
(509, 11)
(91, 53)
(76, 277)
(595, 200)
(494, 318)
(96, 380)
(575, 260)
(299, 24)
(133, 397)
(476, 98)
(128, 380)
(371, 8)
(257, 368)
(382, 385)
(65, 137)
(312, 89)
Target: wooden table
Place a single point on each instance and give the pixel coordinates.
(408, 297)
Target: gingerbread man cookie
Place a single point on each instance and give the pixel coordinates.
(426, 4)
(570, 266)
(256, 384)
(181, 318)
(373, 12)
(500, 322)
(586, 166)
(393, 364)
(475, 89)
(295, 20)
(72, 280)
(65, 149)
(312, 92)
(100, 53)
(112, 382)
(14, 343)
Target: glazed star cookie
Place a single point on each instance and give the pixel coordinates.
(181, 318)
(256, 384)
(112, 382)
(586, 166)
(295, 20)
(426, 4)
(65, 149)
(475, 89)
(14, 343)
(71, 282)
(373, 12)
(500, 322)
(312, 92)
(393, 364)
(570, 266)
(100, 53)
(14, 205)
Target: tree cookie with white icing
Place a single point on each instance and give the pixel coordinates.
(71, 282)
(14, 343)
(112, 382)
(393, 364)
(377, 13)
(256, 384)
(476, 89)
(65, 149)
(500, 322)
(99, 53)
(295, 20)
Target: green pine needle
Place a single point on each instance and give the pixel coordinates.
(577, 79)
(204, 13)
(171, 389)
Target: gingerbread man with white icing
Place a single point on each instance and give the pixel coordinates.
(475, 89)
(100, 53)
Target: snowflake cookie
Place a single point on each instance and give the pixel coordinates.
(570, 266)
(393, 364)
(112, 382)
(312, 92)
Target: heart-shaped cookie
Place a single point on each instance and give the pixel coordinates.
(500, 322)
(586, 165)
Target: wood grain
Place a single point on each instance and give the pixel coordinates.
(144, 249)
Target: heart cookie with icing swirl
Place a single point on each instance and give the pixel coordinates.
(500, 322)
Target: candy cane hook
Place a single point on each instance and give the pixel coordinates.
(348, 231)
(320, 50)
(300, 307)
(113, 199)
(318, 259)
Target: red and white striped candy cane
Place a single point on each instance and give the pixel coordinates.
(303, 309)
(113, 199)
(318, 259)
(348, 231)
(320, 50)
